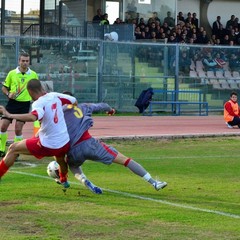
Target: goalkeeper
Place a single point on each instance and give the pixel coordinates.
(85, 147)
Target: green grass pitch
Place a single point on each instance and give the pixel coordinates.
(201, 201)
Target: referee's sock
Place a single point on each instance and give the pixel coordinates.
(3, 141)
(18, 138)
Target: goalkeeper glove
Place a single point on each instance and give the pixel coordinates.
(112, 112)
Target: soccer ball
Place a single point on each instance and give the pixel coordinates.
(53, 169)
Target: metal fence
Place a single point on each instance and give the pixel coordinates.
(117, 72)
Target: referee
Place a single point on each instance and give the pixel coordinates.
(19, 100)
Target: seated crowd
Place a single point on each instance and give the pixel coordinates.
(188, 31)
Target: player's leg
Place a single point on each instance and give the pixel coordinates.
(63, 170)
(93, 149)
(4, 135)
(77, 156)
(235, 121)
(138, 170)
(18, 131)
(80, 176)
(13, 151)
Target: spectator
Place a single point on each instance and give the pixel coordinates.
(237, 35)
(137, 33)
(150, 21)
(232, 36)
(142, 27)
(171, 39)
(160, 32)
(225, 40)
(98, 18)
(180, 17)
(104, 20)
(141, 23)
(194, 21)
(184, 63)
(194, 37)
(155, 17)
(234, 63)
(158, 23)
(191, 32)
(179, 35)
(221, 32)
(147, 33)
(203, 38)
(216, 26)
(213, 39)
(236, 23)
(184, 38)
(209, 63)
(232, 111)
(118, 21)
(154, 36)
(230, 22)
(189, 19)
(218, 41)
(220, 59)
(143, 36)
(231, 43)
(169, 20)
(152, 27)
(180, 21)
(166, 27)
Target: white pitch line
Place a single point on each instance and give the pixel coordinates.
(147, 199)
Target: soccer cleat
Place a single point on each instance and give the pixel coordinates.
(64, 184)
(2, 154)
(92, 187)
(159, 185)
(229, 126)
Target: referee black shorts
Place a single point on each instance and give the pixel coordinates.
(16, 107)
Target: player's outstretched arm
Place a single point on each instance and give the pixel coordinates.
(26, 117)
(89, 108)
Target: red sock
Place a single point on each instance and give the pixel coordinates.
(63, 177)
(127, 162)
(3, 168)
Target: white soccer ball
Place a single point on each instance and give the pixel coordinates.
(53, 169)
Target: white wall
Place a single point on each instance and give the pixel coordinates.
(186, 6)
(224, 9)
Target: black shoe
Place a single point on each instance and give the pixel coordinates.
(2, 154)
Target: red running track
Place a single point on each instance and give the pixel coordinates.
(152, 127)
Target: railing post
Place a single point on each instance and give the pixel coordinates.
(17, 50)
(100, 73)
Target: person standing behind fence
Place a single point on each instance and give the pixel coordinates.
(104, 20)
(99, 17)
(232, 111)
(19, 100)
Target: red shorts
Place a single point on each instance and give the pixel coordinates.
(37, 150)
